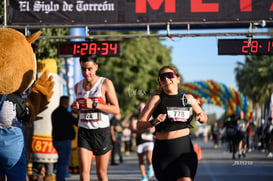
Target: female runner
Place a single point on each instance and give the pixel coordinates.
(173, 158)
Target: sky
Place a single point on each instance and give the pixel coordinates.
(197, 59)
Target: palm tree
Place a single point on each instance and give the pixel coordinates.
(255, 79)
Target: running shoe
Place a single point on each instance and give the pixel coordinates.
(144, 178)
(150, 171)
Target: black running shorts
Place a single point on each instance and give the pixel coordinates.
(173, 159)
(97, 140)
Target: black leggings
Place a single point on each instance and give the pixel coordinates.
(173, 159)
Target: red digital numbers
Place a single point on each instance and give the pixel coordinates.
(92, 49)
(74, 49)
(269, 45)
(245, 47)
(250, 46)
(114, 47)
(83, 48)
(104, 49)
(107, 48)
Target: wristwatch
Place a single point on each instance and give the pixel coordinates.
(94, 105)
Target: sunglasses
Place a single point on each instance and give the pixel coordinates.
(165, 75)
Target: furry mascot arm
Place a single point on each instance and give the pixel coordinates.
(40, 95)
(42, 90)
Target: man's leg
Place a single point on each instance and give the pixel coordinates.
(85, 158)
(102, 165)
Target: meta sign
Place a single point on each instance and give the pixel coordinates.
(124, 12)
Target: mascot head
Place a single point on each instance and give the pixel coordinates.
(17, 61)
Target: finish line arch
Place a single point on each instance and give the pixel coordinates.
(212, 92)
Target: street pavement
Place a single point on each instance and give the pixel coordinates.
(218, 165)
(215, 165)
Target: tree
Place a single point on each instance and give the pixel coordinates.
(255, 79)
(48, 47)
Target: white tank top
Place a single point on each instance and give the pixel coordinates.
(89, 118)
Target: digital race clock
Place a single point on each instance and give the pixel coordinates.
(245, 46)
(99, 48)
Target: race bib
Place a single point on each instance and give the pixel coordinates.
(179, 113)
(88, 115)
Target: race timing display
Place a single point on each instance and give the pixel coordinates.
(245, 46)
(99, 48)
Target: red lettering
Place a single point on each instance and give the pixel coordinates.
(245, 5)
(141, 5)
(197, 6)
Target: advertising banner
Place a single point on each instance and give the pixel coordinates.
(122, 12)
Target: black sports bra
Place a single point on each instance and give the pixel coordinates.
(179, 112)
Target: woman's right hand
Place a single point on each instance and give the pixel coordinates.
(160, 118)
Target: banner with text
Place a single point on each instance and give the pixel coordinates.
(120, 12)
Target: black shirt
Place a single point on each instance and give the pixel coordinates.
(117, 126)
(62, 124)
(171, 101)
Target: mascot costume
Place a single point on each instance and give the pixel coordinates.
(18, 73)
